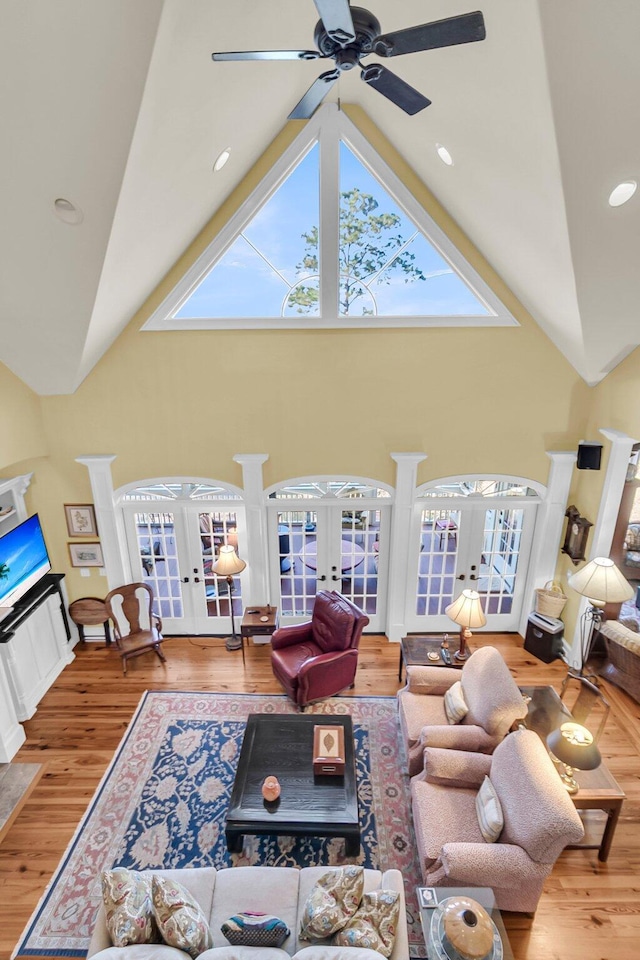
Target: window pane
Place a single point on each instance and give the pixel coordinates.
(276, 252)
(387, 267)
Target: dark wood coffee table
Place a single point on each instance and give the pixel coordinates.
(308, 806)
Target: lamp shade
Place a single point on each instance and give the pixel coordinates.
(228, 562)
(467, 610)
(601, 580)
(573, 744)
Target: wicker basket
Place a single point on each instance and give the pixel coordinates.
(550, 599)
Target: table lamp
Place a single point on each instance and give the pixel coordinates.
(467, 612)
(573, 746)
(227, 565)
(600, 582)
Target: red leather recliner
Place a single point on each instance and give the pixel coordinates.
(318, 659)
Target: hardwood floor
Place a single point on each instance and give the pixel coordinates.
(589, 909)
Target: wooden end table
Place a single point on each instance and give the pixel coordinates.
(254, 625)
(415, 650)
(89, 612)
(598, 790)
(308, 806)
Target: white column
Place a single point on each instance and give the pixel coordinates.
(604, 527)
(549, 524)
(256, 520)
(401, 517)
(110, 525)
(16, 487)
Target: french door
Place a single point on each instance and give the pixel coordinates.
(329, 546)
(470, 543)
(172, 547)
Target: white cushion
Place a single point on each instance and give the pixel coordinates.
(324, 951)
(455, 706)
(143, 951)
(244, 953)
(490, 819)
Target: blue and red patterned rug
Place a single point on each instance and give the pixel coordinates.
(163, 800)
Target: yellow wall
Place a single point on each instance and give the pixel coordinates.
(477, 401)
(22, 434)
(613, 404)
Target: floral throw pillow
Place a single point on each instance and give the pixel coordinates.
(127, 901)
(332, 901)
(180, 919)
(374, 924)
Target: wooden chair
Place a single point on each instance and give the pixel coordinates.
(136, 626)
(588, 698)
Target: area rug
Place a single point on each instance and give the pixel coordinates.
(163, 800)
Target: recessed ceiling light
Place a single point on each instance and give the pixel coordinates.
(444, 154)
(67, 211)
(222, 159)
(622, 193)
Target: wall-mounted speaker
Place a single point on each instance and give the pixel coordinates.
(589, 456)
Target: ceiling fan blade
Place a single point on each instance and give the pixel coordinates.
(314, 96)
(337, 20)
(268, 55)
(467, 28)
(393, 88)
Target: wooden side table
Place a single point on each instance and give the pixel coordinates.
(598, 789)
(258, 622)
(88, 612)
(414, 651)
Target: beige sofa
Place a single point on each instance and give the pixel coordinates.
(622, 665)
(281, 891)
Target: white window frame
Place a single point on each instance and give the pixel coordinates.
(328, 127)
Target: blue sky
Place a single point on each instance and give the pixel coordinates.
(254, 277)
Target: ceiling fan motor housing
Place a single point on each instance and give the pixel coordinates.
(346, 56)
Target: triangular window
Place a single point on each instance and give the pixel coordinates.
(330, 238)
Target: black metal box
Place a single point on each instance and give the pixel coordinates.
(544, 637)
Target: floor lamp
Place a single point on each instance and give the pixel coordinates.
(228, 565)
(600, 582)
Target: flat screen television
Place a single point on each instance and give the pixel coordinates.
(23, 560)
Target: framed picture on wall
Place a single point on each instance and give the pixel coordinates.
(86, 554)
(81, 520)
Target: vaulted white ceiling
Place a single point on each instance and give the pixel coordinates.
(118, 107)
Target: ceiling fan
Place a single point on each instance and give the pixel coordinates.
(345, 34)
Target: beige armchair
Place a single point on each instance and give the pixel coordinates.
(539, 820)
(491, 694)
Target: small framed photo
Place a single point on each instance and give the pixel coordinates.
(427, 897)
(81, 520)
(86, 554)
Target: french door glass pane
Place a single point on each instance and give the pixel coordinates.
(297, 552)
(500, 555)
(158, 556)
(216, 530)
(437, 562)
(359, 557)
